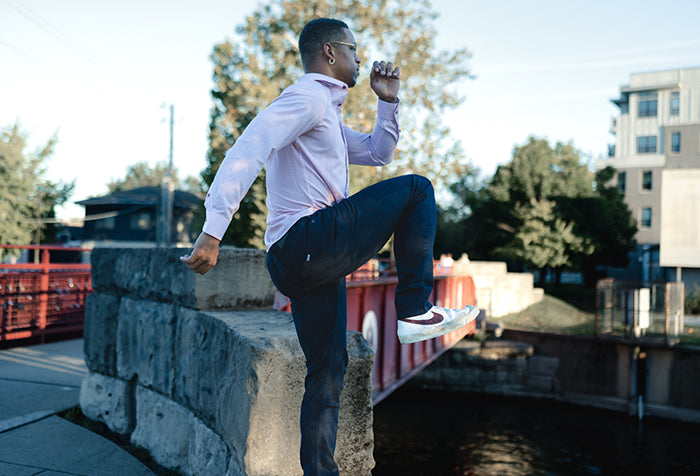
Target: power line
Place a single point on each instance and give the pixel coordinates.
(96, 216)
(42, 63)
(47, 27)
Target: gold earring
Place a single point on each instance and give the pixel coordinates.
(331, 60)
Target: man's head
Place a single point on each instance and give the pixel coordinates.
(327, 46)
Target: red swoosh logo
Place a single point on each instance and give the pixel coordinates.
(436, 319)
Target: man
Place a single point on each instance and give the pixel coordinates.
(316, 233)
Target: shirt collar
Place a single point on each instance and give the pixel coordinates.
(338, 89)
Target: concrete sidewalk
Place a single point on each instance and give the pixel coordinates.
(36, 383)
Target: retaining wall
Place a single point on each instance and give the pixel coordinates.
(202, 373)
(499, 292)
(602, 373)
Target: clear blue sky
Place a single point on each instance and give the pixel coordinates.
(100, 73)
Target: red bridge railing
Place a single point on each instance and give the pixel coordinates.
(37, 300)
(370, 296)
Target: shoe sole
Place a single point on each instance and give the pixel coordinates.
(468, 317)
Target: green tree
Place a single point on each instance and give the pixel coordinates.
(544, 240)
(253, 69)
(141, 174)
(606, 221)
(26, 196)
(546, 203)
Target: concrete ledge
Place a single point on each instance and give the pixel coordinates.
(239, 280)
(209, 391)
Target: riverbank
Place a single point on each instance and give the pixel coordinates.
(570, 310)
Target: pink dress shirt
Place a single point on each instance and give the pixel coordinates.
(301, 139)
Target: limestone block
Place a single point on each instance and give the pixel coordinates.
(243, 373)
(103, 265)
(145, 343)
(164, 428)
(502, 349)
(109, 400)
(208, 454)
(536, 296)
(213, 365)
(100, 334)
(355, 443)
(239, 279)
(544, 366)
(540, 383)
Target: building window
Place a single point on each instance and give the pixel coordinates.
(622, 181)
(646, 217)
(648, 104)
(675, 103)
(105, 223)
(140, 221)
(646, 145)
(676, 142)
(646, 180)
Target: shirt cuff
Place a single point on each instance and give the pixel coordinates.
(216, 226)
(388, 110)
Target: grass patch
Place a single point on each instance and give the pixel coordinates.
(552, 314)
(75, 416)
(568, 309)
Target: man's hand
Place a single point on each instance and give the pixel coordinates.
(384, 81)
(204, 254)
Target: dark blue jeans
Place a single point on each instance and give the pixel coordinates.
(309, 265)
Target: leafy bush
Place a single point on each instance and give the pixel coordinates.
(692, 302)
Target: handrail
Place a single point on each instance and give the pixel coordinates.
(37, 299)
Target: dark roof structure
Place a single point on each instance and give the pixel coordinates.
(143, 196)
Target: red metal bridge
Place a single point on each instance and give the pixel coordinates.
(48, 298)
(42, 299)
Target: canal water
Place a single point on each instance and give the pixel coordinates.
(421, 432)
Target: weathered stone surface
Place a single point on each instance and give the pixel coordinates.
(213, 367)
(543, 366)
(164, 428)
(275, 387)
(355, 444)
(502, 348)
(208, 453)
(540, 383)
(109, 400)
(243, 373)
(145, 343)
(100, 334)
(212, 391)
(239, 280)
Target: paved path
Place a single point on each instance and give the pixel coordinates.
(36, 383)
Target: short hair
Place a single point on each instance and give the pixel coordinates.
(317, 32)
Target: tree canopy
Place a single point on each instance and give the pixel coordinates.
(546, 209)
(141, 174)
(252, 70)
(26, 196)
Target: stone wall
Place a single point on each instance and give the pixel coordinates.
(202, 373)
(499, 292)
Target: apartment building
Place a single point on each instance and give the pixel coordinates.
(657, 135)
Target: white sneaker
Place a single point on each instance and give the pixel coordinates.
(434, 323)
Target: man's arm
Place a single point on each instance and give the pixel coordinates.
(378, 148)
(276, 126)
(204, 254)
(385, 80)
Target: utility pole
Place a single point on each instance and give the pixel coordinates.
(168, 193)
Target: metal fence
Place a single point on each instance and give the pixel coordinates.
(640, 310)
(37, 300)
